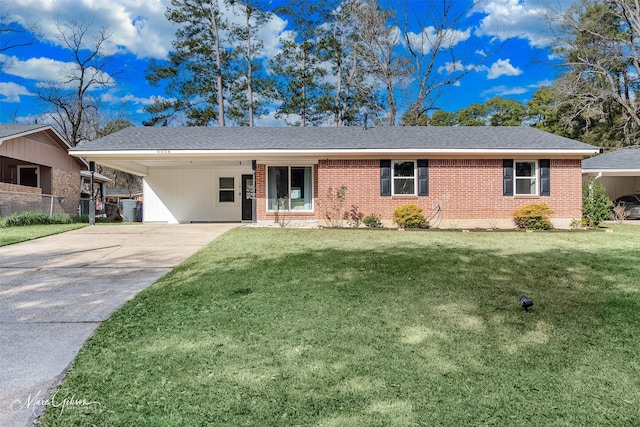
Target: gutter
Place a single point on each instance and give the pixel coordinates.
(170, 153)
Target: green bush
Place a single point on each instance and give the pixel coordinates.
(372, 221)
(39, 218)
(534, 216)
(409, 216)
(596, 206)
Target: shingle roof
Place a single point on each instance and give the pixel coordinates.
(326, 138)
(11, 130)
(622, 159)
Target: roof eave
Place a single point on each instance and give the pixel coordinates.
(322, 153)
(611, 172)
(25, 133)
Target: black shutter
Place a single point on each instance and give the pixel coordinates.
(507, 177)
(423, 177)
(385, 177)
(545, 178)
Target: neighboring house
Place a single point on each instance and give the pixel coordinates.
(618, 171)
(476, 176)
(36, 171)
(115, 195)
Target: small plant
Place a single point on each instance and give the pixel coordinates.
(281, 212)
(372, 221)
(353, 216)
(576, 224)
(619, 213)
(534, 216)
(333, 215)
(409, 216)
(596, 206)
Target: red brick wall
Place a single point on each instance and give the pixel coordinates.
(464, 189)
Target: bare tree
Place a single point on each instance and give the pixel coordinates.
(380, 46)
(14, 35)
(441, 33)
(349, 93)
(70, 100)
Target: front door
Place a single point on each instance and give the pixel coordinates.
(248, 195)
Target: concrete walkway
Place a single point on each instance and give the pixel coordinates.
(55, 291)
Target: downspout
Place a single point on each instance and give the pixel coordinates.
(254, 210)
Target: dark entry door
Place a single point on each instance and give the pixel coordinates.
(247, 197)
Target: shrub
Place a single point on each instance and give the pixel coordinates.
(333, 215)
(372, 221)
(40, 218)
(596, 206)
(409, 216)
(534, 216)
(619, 213)
(353, 216)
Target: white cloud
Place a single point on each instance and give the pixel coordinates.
(527, 20)
(428, 38)
(503, 91)
(452, 67)
(47, 71)
(12, 92)
(137, 27)
(503, 67)
(111, 97)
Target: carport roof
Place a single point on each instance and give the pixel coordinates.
(331, 138)
(622, 161)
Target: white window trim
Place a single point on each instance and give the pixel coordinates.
(393, 178)
(289, 166)
(515, 178)
(232, 189)
(36, 167)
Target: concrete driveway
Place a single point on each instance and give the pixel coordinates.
(55, 291)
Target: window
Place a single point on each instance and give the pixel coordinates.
(29, 176)
(404, 177)
(289, 188)
(526, 178)
(227, 190)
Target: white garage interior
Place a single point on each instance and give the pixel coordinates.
(218, 192)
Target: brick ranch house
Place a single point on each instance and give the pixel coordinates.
(36, 171)
(476, 176)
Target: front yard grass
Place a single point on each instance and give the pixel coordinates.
(11, 235)
(283, 327)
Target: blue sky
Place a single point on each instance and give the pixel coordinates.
(141, 32)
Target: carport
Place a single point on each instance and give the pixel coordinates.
(618, 171)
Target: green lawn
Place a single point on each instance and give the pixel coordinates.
(11, 235)
(283, 327)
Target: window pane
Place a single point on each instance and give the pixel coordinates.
(403, 169)
(404, 181)
(278, 187)
(404, 186)
(301, 188)
(525, 169)
(227, 195)
(526, 186)
(226, 183)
